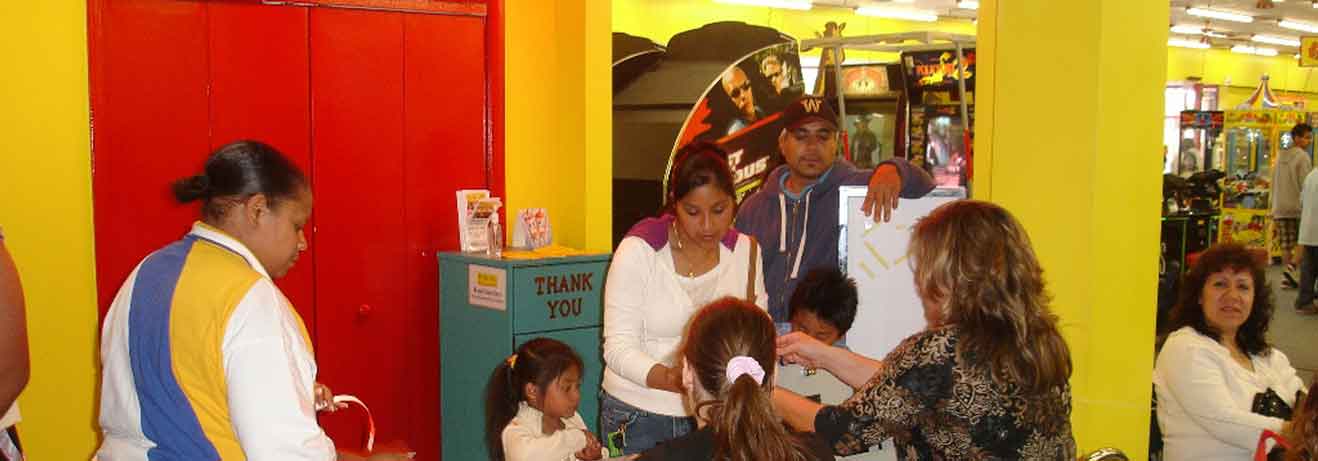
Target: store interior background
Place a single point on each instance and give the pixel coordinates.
(1071, 107)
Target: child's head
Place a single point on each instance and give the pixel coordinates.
(823, 305)
(544, 373)
(727, 367)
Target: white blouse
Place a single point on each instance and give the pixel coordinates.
(1204, 397)
(523, 439)
(646, 309)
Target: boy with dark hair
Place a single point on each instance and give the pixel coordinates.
(824, 305)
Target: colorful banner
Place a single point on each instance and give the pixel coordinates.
(937, 71)
(739, 112)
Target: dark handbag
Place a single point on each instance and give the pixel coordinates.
(1268, 403)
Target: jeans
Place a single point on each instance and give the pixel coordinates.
(1308, 272)
(642, 430)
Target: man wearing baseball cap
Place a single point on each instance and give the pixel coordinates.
(794, 215)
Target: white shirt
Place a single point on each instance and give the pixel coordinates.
(1204, 398)
(1309, 211)
(646, 310)
(269, 376)
(523, 439)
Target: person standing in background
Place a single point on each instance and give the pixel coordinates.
(1307, 237)
(1287, 178)
(14, 365)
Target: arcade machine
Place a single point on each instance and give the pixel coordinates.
(937, 133)
(874, 96)
(1250, 143)
(1201, 138)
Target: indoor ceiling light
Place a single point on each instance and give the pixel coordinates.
(1216, 14)
(785, 4)
(1284, 41)
(1196, 30)
(1300, 26)
(968, 4)
(892, 13)
(1246, 49)
(1186, 43)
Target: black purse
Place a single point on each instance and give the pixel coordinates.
(1268, 403)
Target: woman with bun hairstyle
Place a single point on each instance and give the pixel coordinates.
(202, 356)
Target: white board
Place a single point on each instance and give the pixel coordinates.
(874, 255)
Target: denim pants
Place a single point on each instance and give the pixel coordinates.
(1308, 274)
(641, 429)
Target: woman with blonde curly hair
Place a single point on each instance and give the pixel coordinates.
(986, 379)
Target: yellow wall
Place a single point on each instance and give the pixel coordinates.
(1083, 184)
(558, 109)
(45, 209)
(660, 20)
(1240, 74)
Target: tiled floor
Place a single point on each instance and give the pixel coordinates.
(1294, 334)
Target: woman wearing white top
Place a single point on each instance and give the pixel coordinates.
(664, 271)
(1217, 361)
(13, 353)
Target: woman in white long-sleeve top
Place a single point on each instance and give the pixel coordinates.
(1218, 382)
(665, 270)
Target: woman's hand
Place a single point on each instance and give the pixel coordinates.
(802, 349)
(665, 378)
(325, 399)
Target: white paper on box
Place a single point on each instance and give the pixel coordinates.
(467, 199)
(487, 287)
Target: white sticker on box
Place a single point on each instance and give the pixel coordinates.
(486, 287)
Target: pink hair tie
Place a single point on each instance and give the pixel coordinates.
(743, 365)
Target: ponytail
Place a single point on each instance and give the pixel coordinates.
(747, 429)
(729, 346)
(191, 188)
(501, 400)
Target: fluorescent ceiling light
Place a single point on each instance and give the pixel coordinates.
(1283, 41)
(784, 4)
(1196, 30)
(1217, 14)
(1246, 49)
(909, 15)
(1185, 43)
(1300, 26)
(968, 4)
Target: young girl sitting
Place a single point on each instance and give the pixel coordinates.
(531, 406)
(727, 369)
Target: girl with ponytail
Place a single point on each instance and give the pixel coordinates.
(727, 372)
(531, 406)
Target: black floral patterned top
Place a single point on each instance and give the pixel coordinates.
(937, 406)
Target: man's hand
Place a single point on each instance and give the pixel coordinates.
(884, 190)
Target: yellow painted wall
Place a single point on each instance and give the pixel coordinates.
(1239, 74)
(659, 20)
(1082, 184)
(45, 209)
(558, 109)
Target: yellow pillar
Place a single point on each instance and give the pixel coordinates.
(46, 212)
(1068, 138)
(558, 116)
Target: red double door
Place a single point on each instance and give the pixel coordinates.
(386, 111)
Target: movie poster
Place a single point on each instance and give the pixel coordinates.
(739, 112)
(932, 75)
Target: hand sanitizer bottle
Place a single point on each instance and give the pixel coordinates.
(495, 237)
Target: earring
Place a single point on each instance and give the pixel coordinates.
(677, 238)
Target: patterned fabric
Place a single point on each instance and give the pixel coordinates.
(937, 406)
(1285, 232)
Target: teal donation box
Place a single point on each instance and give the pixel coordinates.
(488, 307)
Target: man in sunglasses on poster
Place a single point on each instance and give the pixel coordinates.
(738, 88)
(794, 215)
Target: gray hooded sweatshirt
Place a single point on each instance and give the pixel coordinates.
(798, 233)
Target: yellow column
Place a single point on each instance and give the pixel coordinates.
(1068, 138)
(558, 116)
(46, 212)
